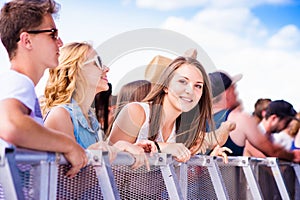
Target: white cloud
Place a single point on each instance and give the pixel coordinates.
(177, 4)
(237, 42)
(287, 37)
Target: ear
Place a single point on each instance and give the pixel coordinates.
(273, 117)
(166, 90)
(263, 113)
(25, 40)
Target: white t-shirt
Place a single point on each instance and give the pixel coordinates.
(18, 86)
(283, 139)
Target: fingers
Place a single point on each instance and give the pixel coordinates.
(221, 151)
(140, 160)
(77, 165)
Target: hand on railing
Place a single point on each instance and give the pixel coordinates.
(77, 158)
(137, 151)
(177, 150)
(296, 158)
(221, 151)
(104, 146)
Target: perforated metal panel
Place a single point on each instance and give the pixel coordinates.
(199, 184)
(140, 183)
(27, 174)
(83, 186)
(2, 194)
(268, 184)
(235, 182)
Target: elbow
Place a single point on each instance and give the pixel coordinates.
(9, 133)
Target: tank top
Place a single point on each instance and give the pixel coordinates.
(143, 133)
(220, 117)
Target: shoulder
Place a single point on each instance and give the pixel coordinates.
(242, 118)
(58, 113)
(17, 86)
(135, 112)
(136, 107)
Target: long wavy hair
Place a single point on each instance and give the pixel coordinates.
(63, 84)
(189, 125)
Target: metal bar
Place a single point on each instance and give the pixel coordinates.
(53, 178)
(106, 179)
(297, 171)
(216, 178)
(278, 178)
(9, 177)
(183, 180)
(171, 181)
(252, 183)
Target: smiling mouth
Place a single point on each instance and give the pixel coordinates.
(186, 99)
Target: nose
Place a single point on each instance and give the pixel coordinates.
(189, 89)
(105, 68)
(59, 42)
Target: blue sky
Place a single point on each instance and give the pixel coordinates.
(258, 38)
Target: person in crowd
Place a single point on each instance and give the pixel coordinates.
(226, 106)
(102, 101)
(278, 115)
(286, 137)
(134, 91)
(259, 108)
(174, 114)
(69, 94)
(131, 92)
(296, 141)
(29, 34)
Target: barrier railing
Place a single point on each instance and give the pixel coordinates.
(27, 174)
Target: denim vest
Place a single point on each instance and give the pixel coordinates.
(84, 134)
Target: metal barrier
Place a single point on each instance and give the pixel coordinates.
(27, 174)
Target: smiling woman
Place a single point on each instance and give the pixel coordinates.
(174, 113)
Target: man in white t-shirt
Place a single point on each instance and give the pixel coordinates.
(30, 37)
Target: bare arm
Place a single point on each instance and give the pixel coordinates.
(18, 128)
(59, 119)
(261, 142)
(128, 124)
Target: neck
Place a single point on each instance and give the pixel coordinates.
(170, 114)
(27, 68)
(86, 104)
(267, 126)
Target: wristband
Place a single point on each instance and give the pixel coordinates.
(157, 146)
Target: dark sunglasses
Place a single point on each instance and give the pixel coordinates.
(53, 31)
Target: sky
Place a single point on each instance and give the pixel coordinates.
(257, 38)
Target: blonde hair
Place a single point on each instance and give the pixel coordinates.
(63, 84)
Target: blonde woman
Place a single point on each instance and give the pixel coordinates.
(69, 93)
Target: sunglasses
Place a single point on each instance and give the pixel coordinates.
(98, 62)
(53, 31)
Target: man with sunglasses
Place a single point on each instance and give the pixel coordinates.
(30, 37)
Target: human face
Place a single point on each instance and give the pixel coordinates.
(96, 73)
(46, 44)
(280, 124)
(232, 97)
(185, 88)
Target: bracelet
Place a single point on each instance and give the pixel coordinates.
(157, 146)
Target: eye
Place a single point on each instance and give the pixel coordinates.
(199, 86)
(53, 35)
(182, 81)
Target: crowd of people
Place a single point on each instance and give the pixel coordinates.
(180, 109)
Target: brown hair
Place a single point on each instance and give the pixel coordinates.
(190, 125)
(18, 16)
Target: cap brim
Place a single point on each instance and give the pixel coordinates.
(236, 78)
